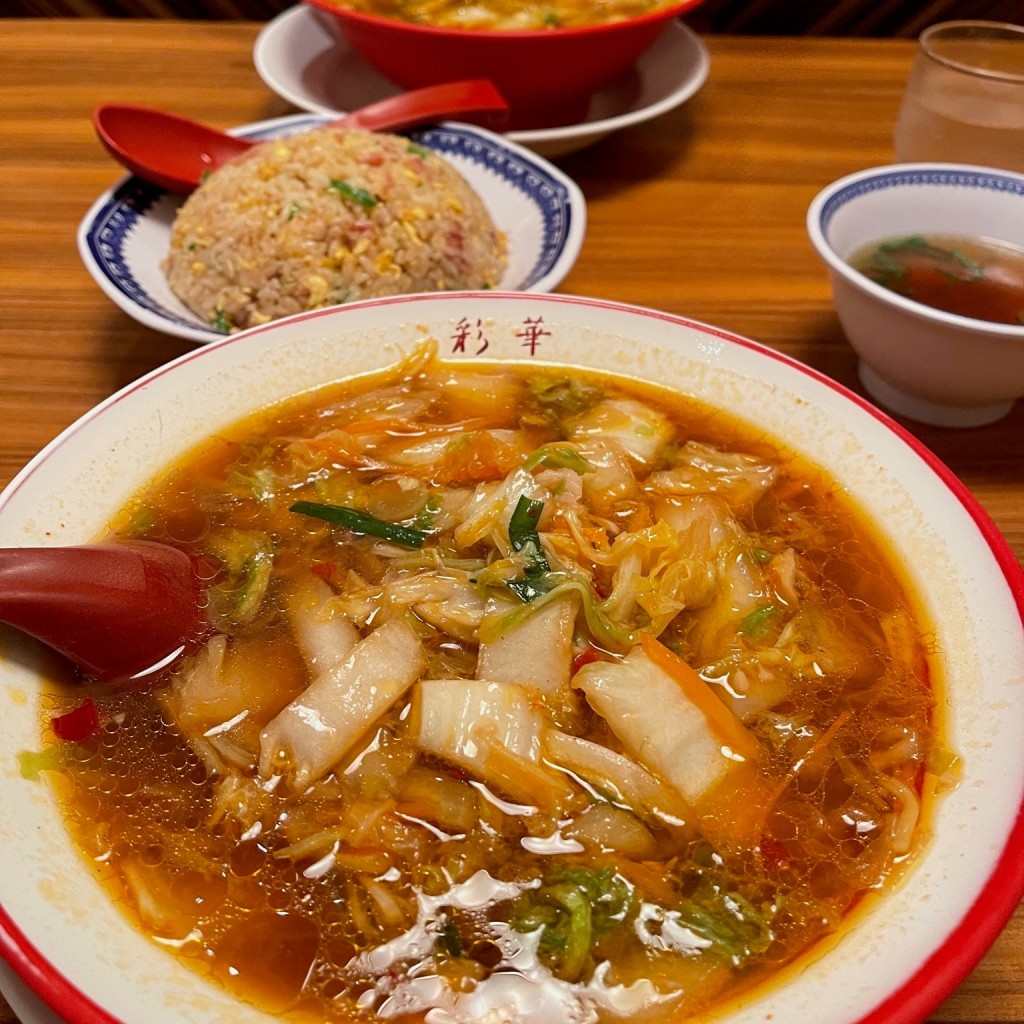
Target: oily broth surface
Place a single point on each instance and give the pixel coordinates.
(507, 15)
(199, 865)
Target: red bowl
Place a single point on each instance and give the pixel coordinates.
(547, 75)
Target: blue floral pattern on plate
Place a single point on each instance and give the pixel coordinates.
(124, 237)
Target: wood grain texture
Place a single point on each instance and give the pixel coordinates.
(700, 212)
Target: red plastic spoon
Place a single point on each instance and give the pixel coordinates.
(176, 153)
(115, 610)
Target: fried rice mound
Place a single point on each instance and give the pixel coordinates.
(325, 217)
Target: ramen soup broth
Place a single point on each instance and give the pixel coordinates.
(528, 685)
(507, 15)
(981, 278)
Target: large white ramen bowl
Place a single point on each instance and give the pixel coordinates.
(924, 363)
(896, 959)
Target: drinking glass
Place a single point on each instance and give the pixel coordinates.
(964, 100)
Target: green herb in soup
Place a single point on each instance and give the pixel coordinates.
(978, 278)
(531, 688)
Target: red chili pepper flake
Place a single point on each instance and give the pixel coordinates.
(79, 724)
(774, 855)
(325, 570)
(589, 655)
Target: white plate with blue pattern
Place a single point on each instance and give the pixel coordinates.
(124, 237)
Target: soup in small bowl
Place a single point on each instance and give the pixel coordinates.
(567, 660)
(979, 278)
(547, 60)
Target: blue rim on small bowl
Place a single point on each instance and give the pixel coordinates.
(124, 237)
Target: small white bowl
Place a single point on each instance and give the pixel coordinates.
(124, 237)
(899, 955)
(923, 363)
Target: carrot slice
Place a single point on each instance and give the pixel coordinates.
(476, 458)
(821, 742)
(813, 751)
(526, 780)
(729, 729)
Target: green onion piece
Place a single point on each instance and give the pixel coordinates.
(427, 515)
(575, 907)
(522, 533)
(920, 245)
(448, 940)
(608, 633)
(256, 573)
(32, 762)
(362, 522)
(578, 931)
(537, 578)
(247, 558)
(736, 929)
(885, 264)
(563, 396)
(975, 271)
(220, 322)
(911, 242)
(353, 192)
(527, 589)
(755, 625)
(558, 457)
(142, 521)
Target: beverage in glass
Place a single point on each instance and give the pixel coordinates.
(964, 100)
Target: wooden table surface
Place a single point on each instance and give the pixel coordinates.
(700, 212)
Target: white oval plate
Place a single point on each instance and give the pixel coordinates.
(305, 62)
(125, 236)
(897, 957)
